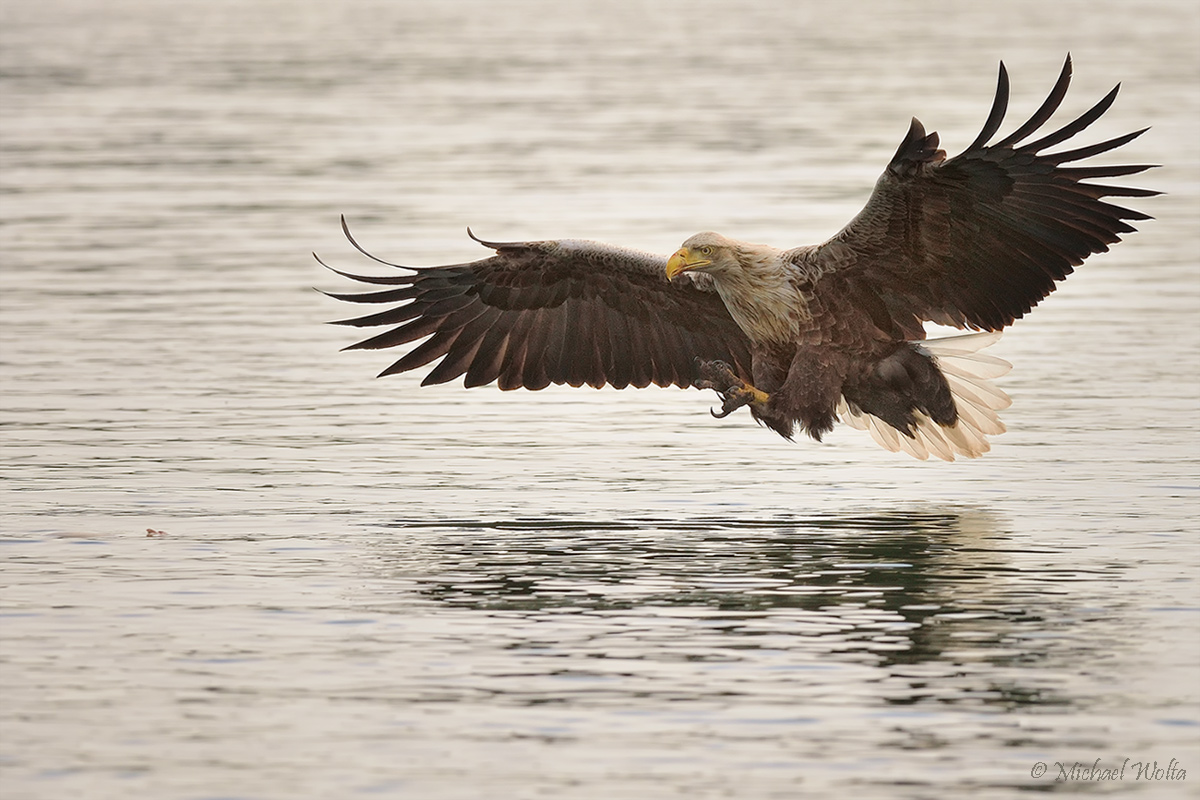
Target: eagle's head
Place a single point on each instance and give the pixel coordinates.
(705, 252)
(752, 280)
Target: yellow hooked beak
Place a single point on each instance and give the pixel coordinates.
(684, 260)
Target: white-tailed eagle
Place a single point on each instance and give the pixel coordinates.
(802, 336)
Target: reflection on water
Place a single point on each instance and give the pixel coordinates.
(822, 645)
(725, 564)
(929, 599)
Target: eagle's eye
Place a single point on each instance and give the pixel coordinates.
(706, 250)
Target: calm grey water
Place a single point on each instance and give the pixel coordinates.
(367, 589)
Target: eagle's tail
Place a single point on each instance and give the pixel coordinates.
(968, 373)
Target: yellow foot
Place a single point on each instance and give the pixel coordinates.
(734, 392)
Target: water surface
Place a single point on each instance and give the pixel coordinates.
(354, 587)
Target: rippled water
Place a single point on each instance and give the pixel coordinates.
(236, 566)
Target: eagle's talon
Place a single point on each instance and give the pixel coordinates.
(719, 373)
(733, 391)
(734, 398)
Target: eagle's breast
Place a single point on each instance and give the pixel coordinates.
(767, 297)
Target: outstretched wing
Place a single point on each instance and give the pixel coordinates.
(537, 313)
(977, 240)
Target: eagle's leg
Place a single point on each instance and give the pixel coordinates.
(734, 391)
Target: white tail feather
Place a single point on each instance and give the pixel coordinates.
(978, 391)
(885, 434)
(967, 373)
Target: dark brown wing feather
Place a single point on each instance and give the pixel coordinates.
(979, 239)
(537, 313)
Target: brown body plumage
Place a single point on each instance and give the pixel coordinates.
(802, 336)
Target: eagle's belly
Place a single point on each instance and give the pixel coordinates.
(770, 365)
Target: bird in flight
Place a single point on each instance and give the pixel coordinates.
(805, 336)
